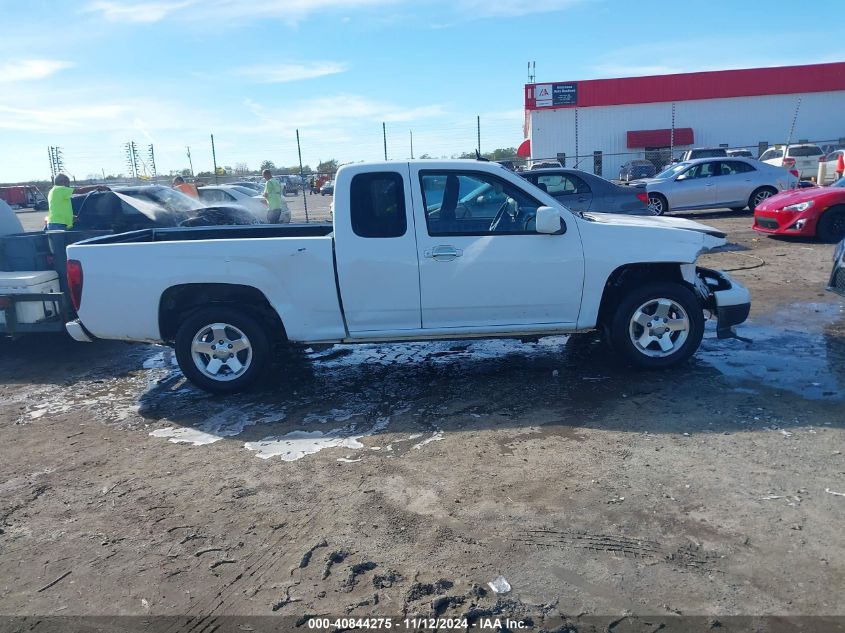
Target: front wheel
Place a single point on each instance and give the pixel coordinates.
(657, 204)
(831, 227)
(222, 349)
(658, 325)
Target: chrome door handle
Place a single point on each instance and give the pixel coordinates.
(443, 253)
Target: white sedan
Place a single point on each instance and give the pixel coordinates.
(235, 194)
(831, 161)
(735, 183)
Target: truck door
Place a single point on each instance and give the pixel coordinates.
(376, 250)
(482, 263)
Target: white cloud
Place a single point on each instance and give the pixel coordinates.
(31, 69)
(59, 118)
(143, 12)
(282, 73)
(511, 8)
(291, 10)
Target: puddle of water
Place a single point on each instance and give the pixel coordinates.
(806, 361)
(435, 352)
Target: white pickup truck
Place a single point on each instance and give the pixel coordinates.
(419, 250)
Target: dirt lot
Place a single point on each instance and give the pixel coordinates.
(399, 480)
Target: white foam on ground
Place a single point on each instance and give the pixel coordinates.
(224, 424)
(436, 437)
(297, 444)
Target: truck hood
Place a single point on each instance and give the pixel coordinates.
(654, 222)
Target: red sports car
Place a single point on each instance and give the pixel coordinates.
(810, 212)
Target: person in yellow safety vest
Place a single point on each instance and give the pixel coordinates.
(277, 209)
(188, 189)
(60, 214)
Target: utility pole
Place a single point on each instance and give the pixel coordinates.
(412, 144)
(214, 158)
(672, 136)
(132, 159)
(152, 158)
(52, 164)
(384, 134)
(792, 129)
(57, 165)
(301, 175)
(190, 162)
(478, 127)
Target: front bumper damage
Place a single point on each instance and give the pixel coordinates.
(724, 297)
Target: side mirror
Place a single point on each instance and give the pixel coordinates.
(548, 221)
(681, 177)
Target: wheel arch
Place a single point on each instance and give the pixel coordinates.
(179, 301)
(632, 275)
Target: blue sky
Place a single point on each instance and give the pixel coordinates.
(90, 75)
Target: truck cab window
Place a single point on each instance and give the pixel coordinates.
(377, 204)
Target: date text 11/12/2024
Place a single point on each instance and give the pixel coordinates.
(416, 624)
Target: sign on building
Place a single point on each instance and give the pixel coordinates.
(550, 95)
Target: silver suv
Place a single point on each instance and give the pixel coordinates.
(802, 158)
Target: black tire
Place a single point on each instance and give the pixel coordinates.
(738, 209)
(623, 328)
(657, 203)
(238, 321)
(831, 226)
(758, 195)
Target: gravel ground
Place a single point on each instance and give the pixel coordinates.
(399, 480)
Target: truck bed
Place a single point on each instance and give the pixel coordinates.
(291, 265)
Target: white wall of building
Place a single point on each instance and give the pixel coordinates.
(738, 121)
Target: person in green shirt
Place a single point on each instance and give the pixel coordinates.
(60, 215)
(277, 209)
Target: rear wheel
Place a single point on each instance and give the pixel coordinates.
(759, 195)
(831, 227)
(222, 349)
(657, 203)
(658, 325)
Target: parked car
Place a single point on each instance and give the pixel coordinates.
(546, 164)
(830, 161)
(813, 212)
(235, 194)
(327, 189)
(290, 185)
(740, 153)
(582, 191)
(802, 158)
(706, 183)
(439, 276)
(832, 147)
(634, 169)
(131, 208)
(837, 275)
(258, 187)
(703, 152)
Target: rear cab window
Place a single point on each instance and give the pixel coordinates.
(377, 205)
